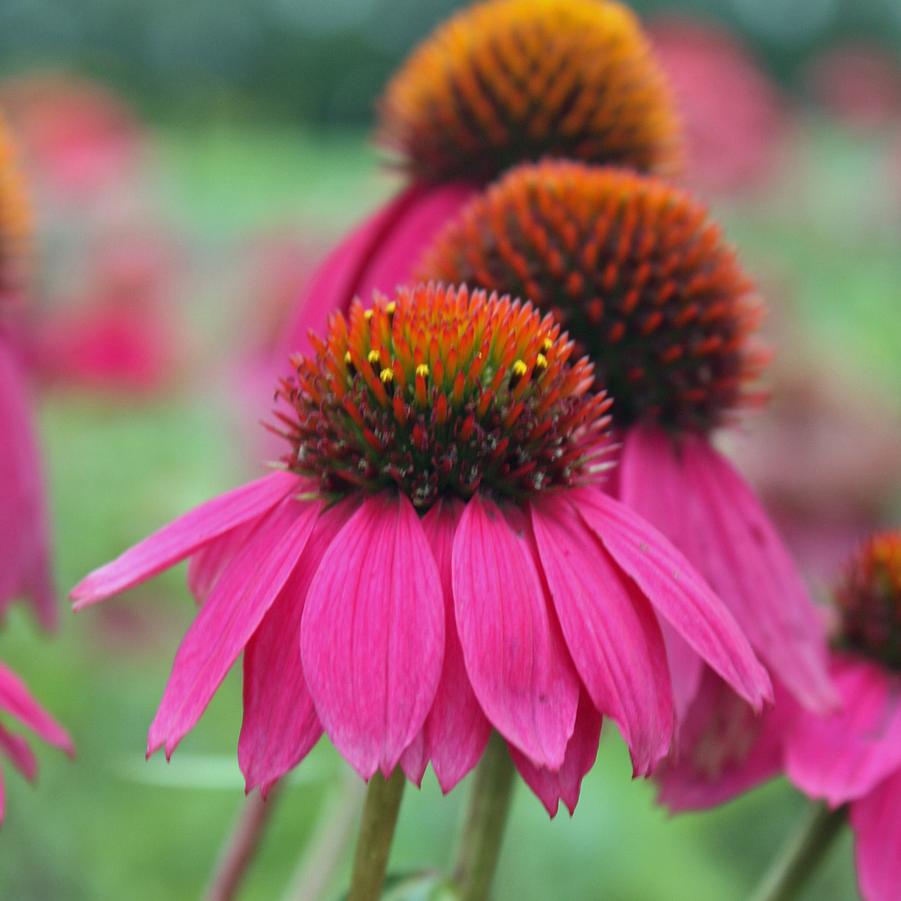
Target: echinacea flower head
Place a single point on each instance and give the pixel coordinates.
(869, 601)
(634, 269)
(500, 83)
(17, 704)
(436, 560)
(849, 757)
(509, 81)
(24, 549)
(644, 283)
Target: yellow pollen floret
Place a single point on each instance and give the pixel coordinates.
(373, 357)
(520, 369)
(367, 314)
(541, 362)
(347, 357)
(422, 370)
(391, 308)
(386, 375)
(547, 344)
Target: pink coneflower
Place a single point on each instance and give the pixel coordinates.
(79, 138)
(116, 333)
(436, 560)
(17, 703)
(24, 548)
(645, 284)
(733, 115)
(499, 83)
(850, 758)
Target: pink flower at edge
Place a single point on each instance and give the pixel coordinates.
(18, 704)
(848, 757)
(25, 549)
(407, 620)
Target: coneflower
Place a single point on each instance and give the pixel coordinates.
(646, 286)
(500, 83)
(436, 560)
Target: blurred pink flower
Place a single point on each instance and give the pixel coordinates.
(436, 562)
(857, 82)
(851, 756)
(118, 335)
(734, 118)
(77, 136)
(19, 705)
(25, 546)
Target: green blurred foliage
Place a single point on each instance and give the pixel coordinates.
(324, 62)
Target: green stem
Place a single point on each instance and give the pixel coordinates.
(483, 830)
(801, 855)
(377, 825)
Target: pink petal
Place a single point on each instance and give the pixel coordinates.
(280, 724)
(845, 755)
(231, 615)
(25, 548)
(209, 562)
(723, 529)
(552, 786)
(16, 700)
(415, 759)
(372, 634)
(456, 730)
(677, 592)
(610, 630)
(183, 536)
(724, 749)
(514, 653)
(686, 669)
(378, 255)
(16, 748)
(876, 820)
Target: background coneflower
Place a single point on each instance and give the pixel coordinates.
(500, 83)
(646, 286)
(850, 759)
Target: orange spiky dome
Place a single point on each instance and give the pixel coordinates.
(869, 601)
(442, 392)
(636, 272)
(14, 216)
(509, 81)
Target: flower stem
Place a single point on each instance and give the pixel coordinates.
(380, 812)
(241, 846)
(801, 855)
(483, 830)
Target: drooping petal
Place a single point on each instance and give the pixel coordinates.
(372, 634)
(210, 561)
(379, 254)
(415, 759)
(677, 592)
(610, 630)
(280, 724)
(228, 619)
(723, 747)
(565, 784)
(183, 536)
(17, 750)
(25, 548)
(721, 526)
(514, 652)
(17, 701)
(686, 669)
(876, 820)
(845, 755)
(456, 731)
